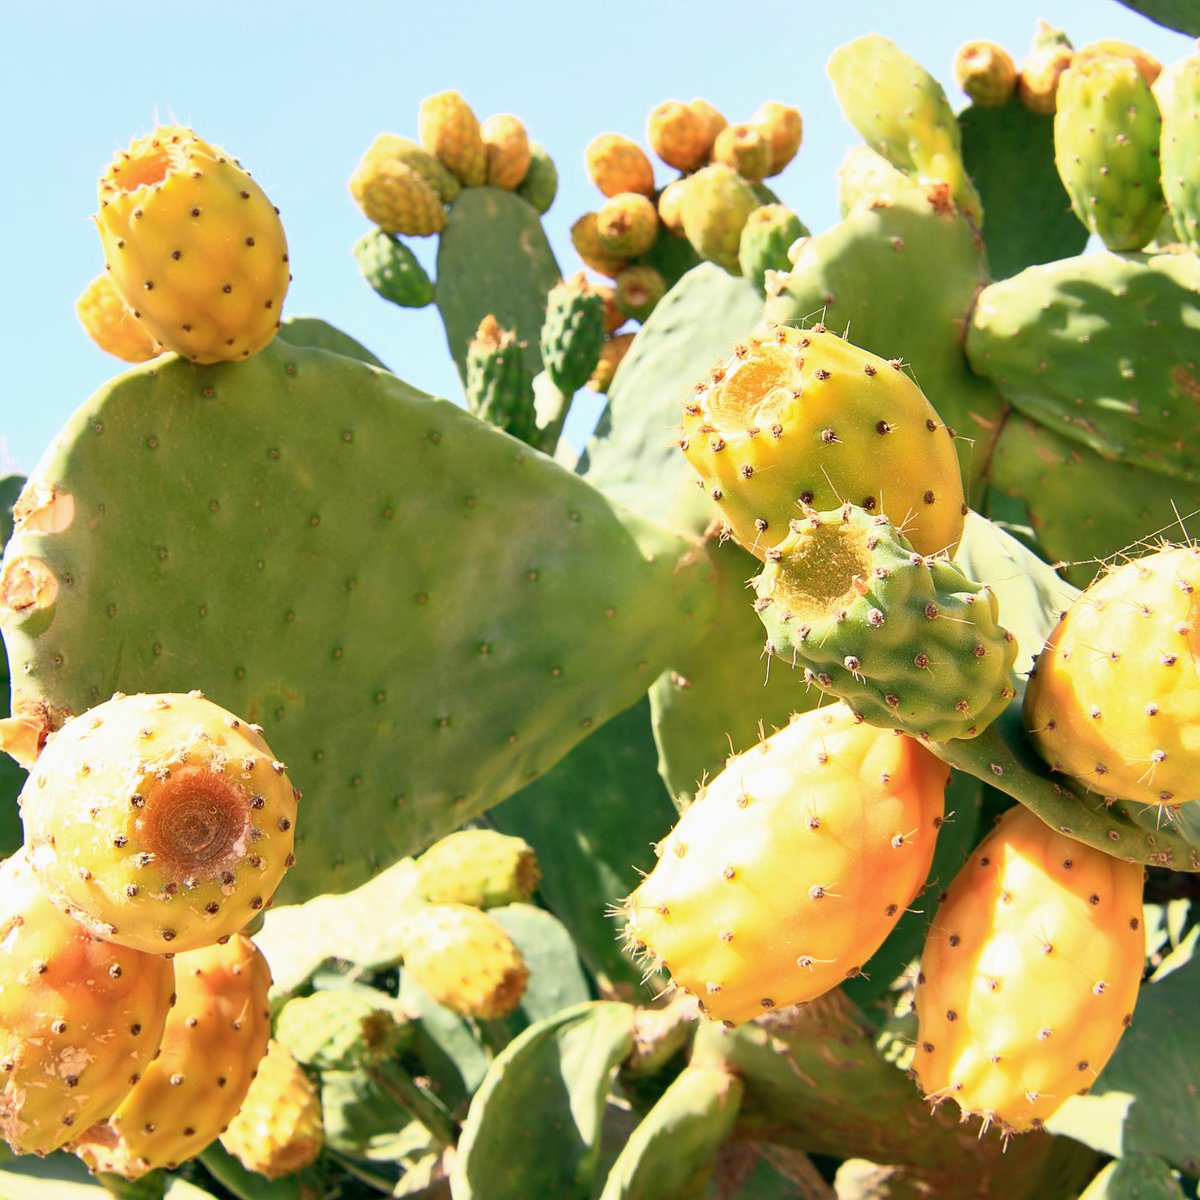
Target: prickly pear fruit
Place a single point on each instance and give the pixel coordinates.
(639, 289)
(617, 164)
(162, 822)
(464, 958)
(215, 1037)
(193, 245)
(397, 198)
(745, 148)
(278, 1129)
(612, 354)
(339, 1029)
(540, 185)
(1113, 699)
(714, 121)
(508, 155)
(766, 239)
(783, 128)
(410, 154)
(108, 321)
(1178, 94)
(798, 417)
(479, 867)
(80, 1018)
(908, 642)
(627, 224)
(449, 128)
(715, 206)
(679, 135)
(1148, 66)
(1042, 68)
(572, 333)
(499, 385)
(986, 73)
(670, 207)
(1107, 131)
(792, 866)
(585, 237)
(1029, 975)
(392, 269)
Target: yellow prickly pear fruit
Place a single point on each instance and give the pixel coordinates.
(1148, 66)
(798, 418)
(1041, 69)
(108, 321)
(1114, 699)
(464, 958)
(627, 224)
(986, 73)
(508, 152)
(612, 354)
(479, 867)
(215, 1037)
(585, 237)
(793, 865)
(278, 1130)
(717, 201)
(1030, 974)
(616, 164)
(745, 148)
(670, 207)
(679, 135)
(714, 121)
(190, 820)
(193, 246)
(397, 197)
(405, 151)
(783, 128)
(80, 1019)
(449, 128)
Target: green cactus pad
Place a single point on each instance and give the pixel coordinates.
(303, 537)
(392, 269)
(1177, 91)
(1139, 1177)
(1082, 345)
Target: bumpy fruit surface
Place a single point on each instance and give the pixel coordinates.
(679, 135)
(215, 1037)
(278, 1130)
(449, 128)
(540, 185)
(793, 865)
(1029, 975)
(80, 1019)
(406, 152)
(1042, 68)
(585, 237)
(464, 958)
(109, 322)
(1148, 66)
(617, 164)
(986, 73)
(163, 822)
(783, 128)
(508, 155)
(1114, 699)
(715, 206)
(908, 642)
(392, 269)
(768, 235)
(713, 119)
(1177, 91)
(193, 245)
(397, 198)
(800, 417)
(498, 384)
(479, 867)
(612, 354)
(745, 148)
(339, 1029)
(572, 333)
(627, 224)
(639, 289)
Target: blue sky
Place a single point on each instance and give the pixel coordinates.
(298, 90)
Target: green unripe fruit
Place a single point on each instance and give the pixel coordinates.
(746, 149)
(499, 385)
(572, 334)
(717, 202)
(392, 269)
(338, 1029)
(540, 185)
(766, 239)
(479, 867)
(908, 642)
(639, 289)
(627, 224)
(414, 156)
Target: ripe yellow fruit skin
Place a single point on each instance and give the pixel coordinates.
(396, 197)
(618, 164)
(449, 128)
(193, 246)
(508, 152)
(679, 134)
(107, 320)
(783, 127)
(793, 865)
(1030, 973)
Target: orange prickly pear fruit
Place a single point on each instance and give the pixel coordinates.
(464, 958)
(713, 120)
(1037, 80)
(627, 224)
(679, 135)
(585, 237)
(670, 207)
(986, 73)
(109, 322)
(190, 820)
(215, 1037)
(1030, 973)
(397, 197)
(745, 148)
(616, 164)
(801, 417)
(612, 354)
(447, 127)
(1114, 700)
(508, 152)
(793, 865)
(614, 318)
(80, 1018)
(278, 1130)
(783, 128)
(193, 245)
(1148, 66)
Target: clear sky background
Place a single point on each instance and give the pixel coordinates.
(298, 89)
